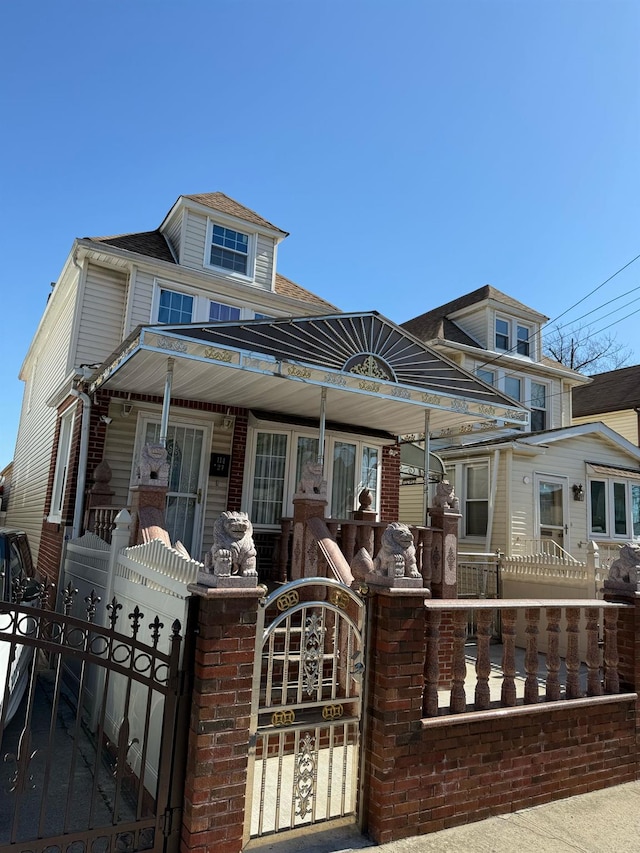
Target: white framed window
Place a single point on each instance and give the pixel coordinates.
(538, 406)
(513, 337)
(62, 466)
(276, 456)
(476, 499)
(174, 305)
(488, 376)
(614, 508)
(513, 387)
(229, 251)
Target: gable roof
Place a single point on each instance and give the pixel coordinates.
(550, 436)
(432, 324)
(224, 204)
(608, 392)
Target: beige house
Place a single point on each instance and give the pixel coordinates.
(613, 398)
(193, 321)
(546, 488)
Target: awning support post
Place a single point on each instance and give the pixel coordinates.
(166, 401)
(427, 452)
(323, 419)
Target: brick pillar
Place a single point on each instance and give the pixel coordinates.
(444, 583)
(218, 752)
(395, 676)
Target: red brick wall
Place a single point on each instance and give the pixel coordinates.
(214, 800)
(454, 772)
(390, 483)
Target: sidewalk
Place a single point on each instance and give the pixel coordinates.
(605, 821)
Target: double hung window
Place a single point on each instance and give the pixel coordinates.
(538, 404)
(229, 249)
(511, 336)
(476, 499)
(176, 306)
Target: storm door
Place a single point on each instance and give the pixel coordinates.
(183, 509)
(552, 510)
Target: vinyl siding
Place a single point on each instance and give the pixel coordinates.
(101, 319)
(141, 299)
(195, 235)
(412, 504)
(476, 326)
(264, 263)
(36, 432)
(173, 233)
(624, 422)
(195, 249)
(217, 489)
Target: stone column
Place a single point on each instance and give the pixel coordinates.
(218, 751)
(147, 501)
(444, 583)
(304, 550)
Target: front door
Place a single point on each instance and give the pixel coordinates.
(185, 446)
(553, 510)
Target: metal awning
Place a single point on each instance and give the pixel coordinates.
(375, 373)
(614, 471)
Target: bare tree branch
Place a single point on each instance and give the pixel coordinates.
(580, 349)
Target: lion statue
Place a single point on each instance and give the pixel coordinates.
(445, 496)
(153, 468)
(397, 555)
(626, 567)
(233, 551)
(311, 481)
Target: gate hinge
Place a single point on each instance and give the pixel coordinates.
(169, 820)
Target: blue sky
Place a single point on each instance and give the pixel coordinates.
(414, 150)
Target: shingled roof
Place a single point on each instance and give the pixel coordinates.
(613, 391)
(152, 244)
(436, 323)
(221, 202)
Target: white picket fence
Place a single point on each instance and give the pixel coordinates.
(150, 577)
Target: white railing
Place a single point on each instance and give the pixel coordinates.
(546, 548)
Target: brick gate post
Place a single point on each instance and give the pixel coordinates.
(395, 680)
(216, 775)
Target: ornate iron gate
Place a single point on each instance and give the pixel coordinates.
(307, 706)
(94, 755)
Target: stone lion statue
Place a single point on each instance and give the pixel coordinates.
(311, 481)
(445, 496)
(626, 567)
(153, 468)
(233, 551)
(397, 555)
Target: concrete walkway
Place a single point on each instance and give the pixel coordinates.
(600, 822)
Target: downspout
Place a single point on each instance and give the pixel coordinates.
(509, 468)
(82, 461)
(166, 401)
(492, 498)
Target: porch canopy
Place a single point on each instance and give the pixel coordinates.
(375, 374)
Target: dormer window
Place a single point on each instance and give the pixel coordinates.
(502, 334)
(522, 344)
(512, 336)
(229, 249)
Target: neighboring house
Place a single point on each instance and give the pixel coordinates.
(614, 399)
(548, 488)
(251, 367)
